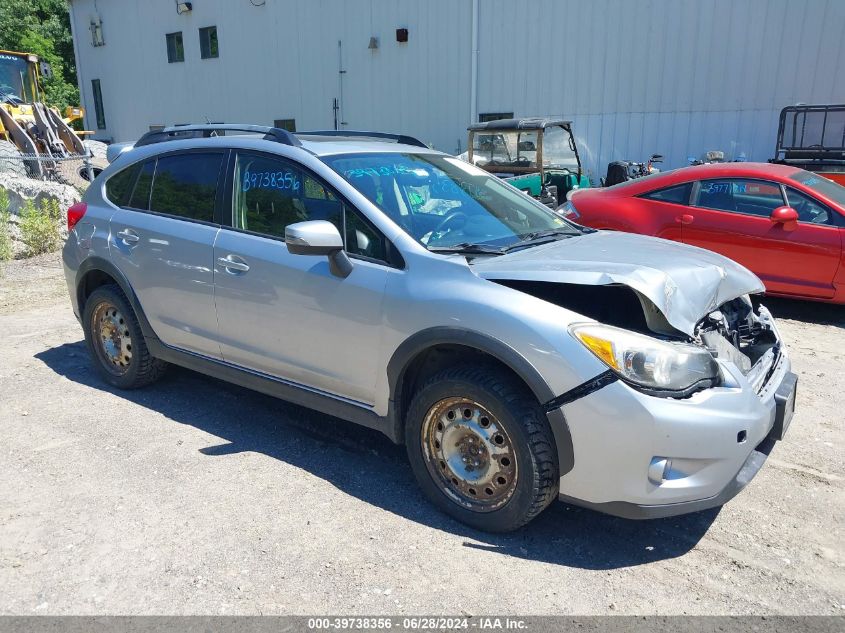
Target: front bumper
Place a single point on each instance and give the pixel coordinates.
(714, 441)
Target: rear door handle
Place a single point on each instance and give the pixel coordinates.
(128, 237)
(231, 264)
(686, 218)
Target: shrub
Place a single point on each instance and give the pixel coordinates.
(40, 227)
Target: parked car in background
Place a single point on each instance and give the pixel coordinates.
(785, 224)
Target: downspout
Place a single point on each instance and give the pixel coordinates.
(473, 83)
(77, 61)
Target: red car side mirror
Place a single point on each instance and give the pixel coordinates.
(787, 216)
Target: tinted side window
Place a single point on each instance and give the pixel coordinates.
(751, 197)
(809, 210)
(119, 186)
(271, 193)
(186, 185)
(677, 195)
(140, 198)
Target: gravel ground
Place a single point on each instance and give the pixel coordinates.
(198, 497)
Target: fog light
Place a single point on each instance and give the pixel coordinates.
(658, 469)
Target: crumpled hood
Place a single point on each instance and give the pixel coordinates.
(684, 282)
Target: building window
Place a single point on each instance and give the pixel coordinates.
(98, 104)
(208, 42)
(285, 124)
(494, 116)
(175, 48)
(96, 28)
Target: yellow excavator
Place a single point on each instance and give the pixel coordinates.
(35, 139)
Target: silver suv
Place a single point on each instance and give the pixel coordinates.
(519, 357)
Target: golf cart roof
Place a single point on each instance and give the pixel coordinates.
(528, 123)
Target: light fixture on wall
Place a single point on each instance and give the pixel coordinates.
(183, 7)
(373, 45)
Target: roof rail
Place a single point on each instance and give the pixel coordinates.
(207, 130)
(399, 138)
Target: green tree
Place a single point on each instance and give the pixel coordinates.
(42, 27)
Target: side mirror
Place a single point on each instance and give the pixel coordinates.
(787, 216)
(319, 237)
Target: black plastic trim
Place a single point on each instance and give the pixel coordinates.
(584, 389)
(92, 264)
(359, 413)
(426, 339)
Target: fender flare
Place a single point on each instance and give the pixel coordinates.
(411, 347)
(99, 264)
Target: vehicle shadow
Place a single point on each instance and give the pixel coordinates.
(367, 465)
(806, 311)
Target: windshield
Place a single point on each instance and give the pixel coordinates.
(15, 78)
(442, 201)
(518, 148)
(822, 185)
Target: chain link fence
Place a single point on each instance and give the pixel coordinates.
(77, 170)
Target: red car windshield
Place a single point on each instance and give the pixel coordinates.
(822, 185)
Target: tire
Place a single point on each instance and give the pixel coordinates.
(74, 172)
(115, 340)
(97, 148)
(494, 470)
(11, 159)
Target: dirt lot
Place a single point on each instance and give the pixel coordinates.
(195, 496)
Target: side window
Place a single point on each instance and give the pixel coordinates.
(676, 195)
(809, 210)
(271, 193)
(738, 195)
(140, 198)
(186, 185)
(119, 186)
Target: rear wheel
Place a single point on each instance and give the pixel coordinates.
(116, 342)
(481, 448)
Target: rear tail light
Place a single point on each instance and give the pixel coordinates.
(75, 213)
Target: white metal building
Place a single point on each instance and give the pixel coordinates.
(677, 77)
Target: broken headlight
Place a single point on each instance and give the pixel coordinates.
(646, 361)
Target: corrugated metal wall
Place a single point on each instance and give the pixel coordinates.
(677, 77)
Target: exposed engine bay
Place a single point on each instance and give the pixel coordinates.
(735, 332)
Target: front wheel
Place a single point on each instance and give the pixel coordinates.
(481, 448)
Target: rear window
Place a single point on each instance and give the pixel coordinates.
(185, 185)
(677, 195)
(140, 198)
(827, 188)
(119, 186)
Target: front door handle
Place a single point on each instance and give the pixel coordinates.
(686, 218)
(233, 265)
(128, 236)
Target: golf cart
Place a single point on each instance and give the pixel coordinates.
(812, 137)
(536, 155)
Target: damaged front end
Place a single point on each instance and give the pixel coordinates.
(748, 339)
(633, 338)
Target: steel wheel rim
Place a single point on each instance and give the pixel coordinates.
(112, 338)
(468, 451)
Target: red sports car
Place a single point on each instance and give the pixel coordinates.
(785, 224)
